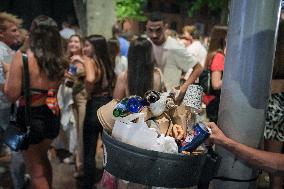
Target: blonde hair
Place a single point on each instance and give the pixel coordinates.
(171, 33)
(189, 29)
(7, 17)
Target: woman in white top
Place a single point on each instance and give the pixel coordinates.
(118, 61)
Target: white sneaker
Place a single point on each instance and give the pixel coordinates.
(69, 160)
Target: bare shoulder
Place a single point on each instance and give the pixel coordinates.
(18, 58)
(86, 58)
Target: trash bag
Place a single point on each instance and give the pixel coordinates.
(137, 134)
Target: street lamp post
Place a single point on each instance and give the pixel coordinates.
(251, 46)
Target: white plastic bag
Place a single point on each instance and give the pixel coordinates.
(167, 144)
(137, 134)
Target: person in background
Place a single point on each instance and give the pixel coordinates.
(9, 37)
(119, 62)
(270, 162)
(66, 31)
(24, 39)
(123, 43)
(81, 83)
(141, 75)
(46, 69)
(274, 124)
(17, 166)
(206, 41)
(96, 48)
(171, 33)
(195, 47)
(215, 61)
(171, 56)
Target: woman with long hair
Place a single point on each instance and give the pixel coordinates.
(214, 62)
(141, 75)
(46, 70)
(80, 79)
(96, 48)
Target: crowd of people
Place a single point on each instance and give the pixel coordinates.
(83, 74)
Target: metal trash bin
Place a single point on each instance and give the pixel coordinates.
(152, 168)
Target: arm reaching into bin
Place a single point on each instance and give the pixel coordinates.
(268, 161)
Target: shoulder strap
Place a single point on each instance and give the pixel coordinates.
(26, 85)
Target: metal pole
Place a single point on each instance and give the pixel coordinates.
(251, 45)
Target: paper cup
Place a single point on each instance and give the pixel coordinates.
(105, 115)
(193, 98)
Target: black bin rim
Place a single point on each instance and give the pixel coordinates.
(175, 167)
(106, 137)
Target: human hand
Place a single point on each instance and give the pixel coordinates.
(217, 136)
(67, 75)
(77, 58)
(180, 92)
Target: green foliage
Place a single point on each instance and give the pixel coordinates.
(213, 5)
(130, 9)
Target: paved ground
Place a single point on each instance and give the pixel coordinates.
(62, 175)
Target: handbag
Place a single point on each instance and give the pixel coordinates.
(205, 81)
(15, 137)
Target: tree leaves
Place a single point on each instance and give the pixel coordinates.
(130, 9)
(213, 5)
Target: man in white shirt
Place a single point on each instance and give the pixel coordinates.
(9, 35)
(195, 47)
(171, 56)
(66, 31)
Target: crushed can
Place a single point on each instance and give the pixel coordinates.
(201, 133)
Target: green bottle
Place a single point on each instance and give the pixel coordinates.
(121, 108)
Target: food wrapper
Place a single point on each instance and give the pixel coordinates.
(180, 116)
(147, 113)
(163, 122)
(177, 132)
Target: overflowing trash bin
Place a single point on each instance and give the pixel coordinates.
(153, 141)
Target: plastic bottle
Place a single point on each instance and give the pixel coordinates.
(120, 110)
